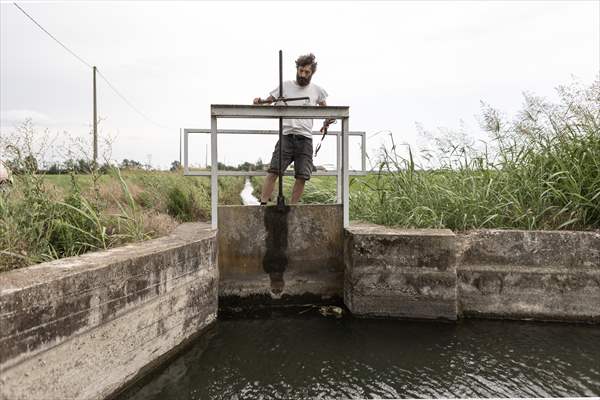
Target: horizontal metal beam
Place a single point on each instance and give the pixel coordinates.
(262, 132)
(257, 111)
(262, 173)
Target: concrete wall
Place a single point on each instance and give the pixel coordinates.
(272, 257)
(295, 257)
(542, 275)
(512, 274)
(81, 327)
(400, 272)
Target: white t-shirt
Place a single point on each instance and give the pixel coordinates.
(291, 89)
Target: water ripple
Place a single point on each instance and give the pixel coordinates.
(298, 358)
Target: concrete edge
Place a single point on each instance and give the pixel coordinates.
(42, 273)
(162, 362)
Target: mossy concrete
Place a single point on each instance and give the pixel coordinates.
(268, 256)
(541, 275)
(82, 327)
(400, 273)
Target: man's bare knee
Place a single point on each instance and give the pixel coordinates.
(297, 190)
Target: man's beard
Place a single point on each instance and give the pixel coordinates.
(302, 81)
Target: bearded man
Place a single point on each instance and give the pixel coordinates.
(297, 133)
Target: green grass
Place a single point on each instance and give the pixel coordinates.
(46, 217)
(542, 172)
(539, 171)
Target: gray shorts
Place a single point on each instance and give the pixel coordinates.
(296, 148)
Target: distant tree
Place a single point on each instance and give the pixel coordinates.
(175, 166)
(223, 167)
(260, 165)
(131, 164)
(30, 163)
(54, 169)
(104, 168)
(83, 166)
(246, 166)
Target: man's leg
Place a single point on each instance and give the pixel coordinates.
(268, 187)
(273, 172)
(297, 190)
(302, 166)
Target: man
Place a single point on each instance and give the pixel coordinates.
(297, 133)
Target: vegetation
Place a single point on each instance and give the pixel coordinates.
(46, 217)
(539, 171)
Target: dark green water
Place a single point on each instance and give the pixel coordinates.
(316, 357)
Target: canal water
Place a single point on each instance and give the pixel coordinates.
(248, 199)
(311, 356)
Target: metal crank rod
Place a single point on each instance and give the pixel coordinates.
(280, 198)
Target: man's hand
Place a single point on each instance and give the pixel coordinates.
(268, 100)
(326, 124)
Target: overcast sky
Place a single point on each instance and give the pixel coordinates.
(394, 63)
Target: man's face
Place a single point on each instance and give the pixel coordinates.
(303, 75)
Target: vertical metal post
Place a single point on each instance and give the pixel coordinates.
(338, 139)
(180, 147)
(363, 147)
(186, 169)
(214, 188)
(280, 198)
(95, 152)
(345, 170)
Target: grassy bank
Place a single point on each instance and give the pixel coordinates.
(540, 170)
(46, 217)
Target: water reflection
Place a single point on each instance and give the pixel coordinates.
(315, 357)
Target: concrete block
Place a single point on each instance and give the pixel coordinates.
(83, 327)
(400, 273)
(272, 257)
(541, 275)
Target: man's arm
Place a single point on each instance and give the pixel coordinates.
(328, 121)
(268, 100)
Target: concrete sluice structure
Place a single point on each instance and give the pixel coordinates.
(86, 327)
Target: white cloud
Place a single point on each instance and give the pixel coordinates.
(393, 63)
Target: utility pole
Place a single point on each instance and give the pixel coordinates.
(95, 123)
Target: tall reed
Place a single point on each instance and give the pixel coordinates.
(539, 171)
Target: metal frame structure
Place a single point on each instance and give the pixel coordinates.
(270, 112)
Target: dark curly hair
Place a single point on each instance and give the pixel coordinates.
(307, 59)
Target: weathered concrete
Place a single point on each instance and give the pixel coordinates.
(542, 275)
(82, 327)
(400, 272)
(272, 257)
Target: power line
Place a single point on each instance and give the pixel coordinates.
(88, 65)
(49, 34)
(128, 102)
